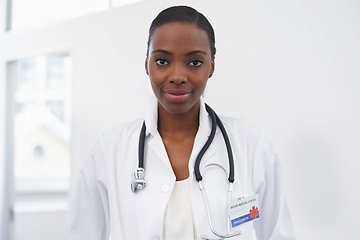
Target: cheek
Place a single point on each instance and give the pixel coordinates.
(153, 72)
(154, 80)
(155, 86)
(152, 75)
(202, 78)
(157, 78)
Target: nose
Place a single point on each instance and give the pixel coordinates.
(178, 74)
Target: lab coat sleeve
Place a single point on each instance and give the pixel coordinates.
(88, 217)
(275, 221)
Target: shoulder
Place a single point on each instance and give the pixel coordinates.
(121, 131)
(250, 141)
(251, 136)
(242, 127)
(116, 137)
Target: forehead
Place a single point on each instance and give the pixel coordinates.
(179, 35)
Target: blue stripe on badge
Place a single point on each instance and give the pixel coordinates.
(240, 220)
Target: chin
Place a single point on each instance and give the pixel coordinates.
(177, 108)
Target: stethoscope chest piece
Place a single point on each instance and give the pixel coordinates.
(138, 181)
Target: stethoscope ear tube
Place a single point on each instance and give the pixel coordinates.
(207, 144)
(215, 120)
(228, 148)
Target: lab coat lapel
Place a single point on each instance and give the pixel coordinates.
(157, 146)
(202, 136)
(153, 138)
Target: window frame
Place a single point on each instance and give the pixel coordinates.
(8, 207)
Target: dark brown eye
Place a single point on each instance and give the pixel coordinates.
(196, 63)
(161, 62)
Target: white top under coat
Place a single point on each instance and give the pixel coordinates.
(178, 218)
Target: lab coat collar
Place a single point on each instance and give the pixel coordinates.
(151, 118)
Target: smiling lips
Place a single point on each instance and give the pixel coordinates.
(177, 95)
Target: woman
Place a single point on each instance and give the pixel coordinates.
(179, 62)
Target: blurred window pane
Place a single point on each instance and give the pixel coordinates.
(57, 108)
(42, 127)
(54, 71)
(26, 72)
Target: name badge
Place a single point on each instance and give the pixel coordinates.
(244, 210)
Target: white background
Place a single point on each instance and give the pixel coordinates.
(290, 66)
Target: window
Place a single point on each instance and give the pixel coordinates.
(41, 145)
(42, 123)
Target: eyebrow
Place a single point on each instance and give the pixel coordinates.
(195, 52)
(161, 51)
(188, 54)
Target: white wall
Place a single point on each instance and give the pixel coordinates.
(289, 66)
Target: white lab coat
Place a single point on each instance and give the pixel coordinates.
(104, 204)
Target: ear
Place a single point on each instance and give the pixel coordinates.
(212, 67)
(146, 66)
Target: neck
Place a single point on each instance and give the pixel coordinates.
(178, 124)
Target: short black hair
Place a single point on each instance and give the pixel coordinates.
(183, 14)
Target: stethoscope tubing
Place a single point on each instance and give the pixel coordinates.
(207, 144)
(141, 148)
(215, 120)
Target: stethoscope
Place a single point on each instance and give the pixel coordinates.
(138, 178)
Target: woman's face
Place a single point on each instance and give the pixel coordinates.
(179, 64)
